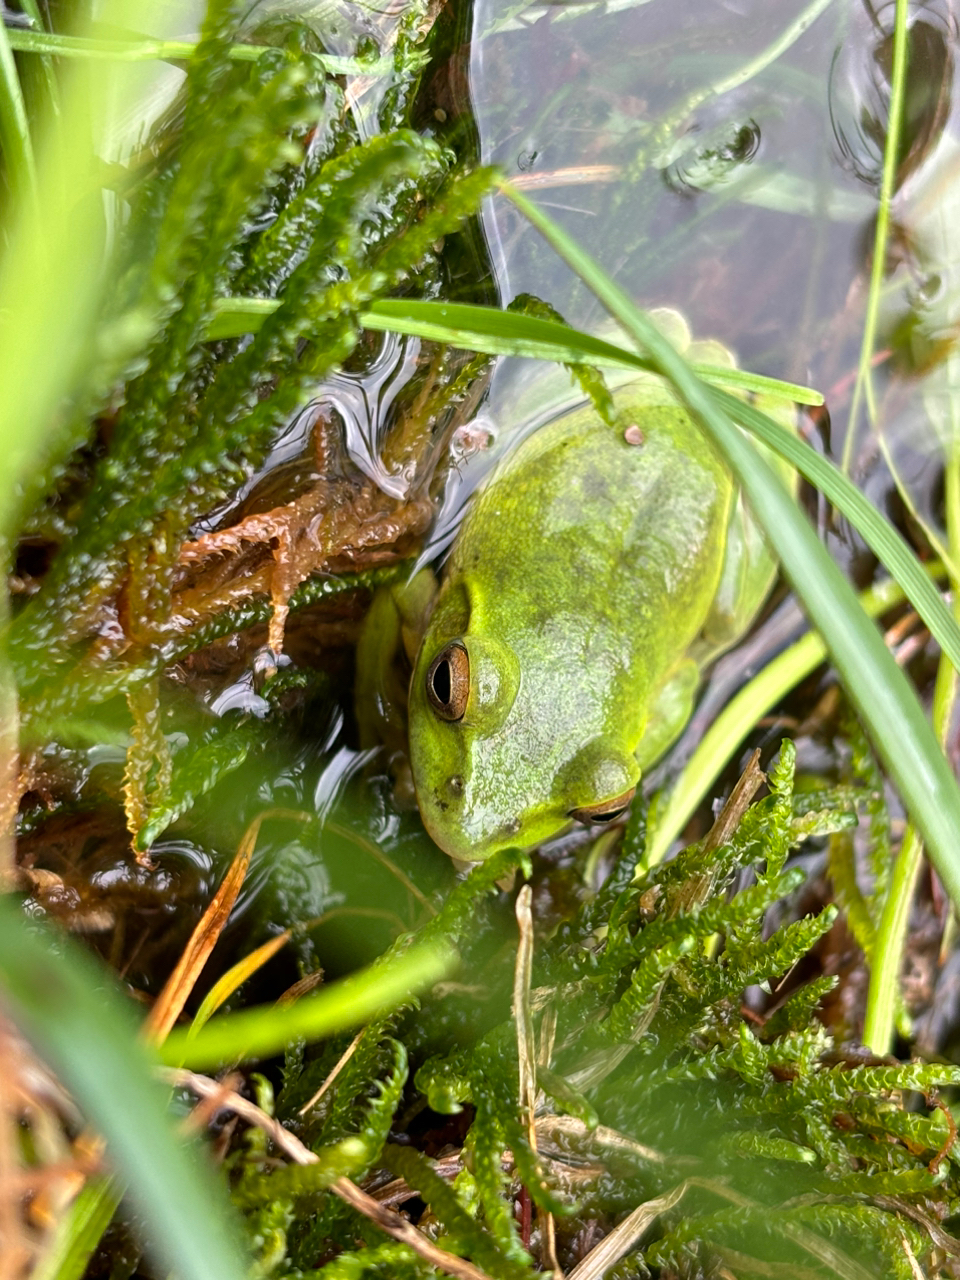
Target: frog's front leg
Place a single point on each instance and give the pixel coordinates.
(670, 709)
(386, 650)
(749, 567)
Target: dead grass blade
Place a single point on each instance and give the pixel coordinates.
(177, 989)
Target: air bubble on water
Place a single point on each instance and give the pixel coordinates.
(715, 159)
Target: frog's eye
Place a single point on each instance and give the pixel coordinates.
(448, 682)
(606, 810)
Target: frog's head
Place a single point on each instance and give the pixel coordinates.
(494, 763)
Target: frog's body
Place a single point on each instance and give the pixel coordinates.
(599, 567)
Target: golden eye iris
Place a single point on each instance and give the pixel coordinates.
(448, 682)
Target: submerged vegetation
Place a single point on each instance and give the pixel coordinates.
(625, 1066)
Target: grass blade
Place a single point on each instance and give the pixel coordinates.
(80, 1232)
(64, 1002)
(891, 549)
(61, 46)
(497, 333)
(345, 1004)
(503, 333)
(755, 700)
(886, 702)
(15, 144)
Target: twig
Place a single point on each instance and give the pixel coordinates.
(388, 1220)
(527, 1056)
(341, 1063)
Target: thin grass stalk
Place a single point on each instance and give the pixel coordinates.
(883, 992)
(16, 145)
(47, 72)
(673, 811)
(864, 383)
(77, 47)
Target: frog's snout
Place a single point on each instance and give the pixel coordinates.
(468, 832)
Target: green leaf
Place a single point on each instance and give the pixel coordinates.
(881, 537)
(498, 333)
(257, 1033)
(79, 1232)
(61, 46)
(507, 333)
(16, 146)
(65, 1003)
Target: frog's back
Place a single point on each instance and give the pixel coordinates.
(623, 523)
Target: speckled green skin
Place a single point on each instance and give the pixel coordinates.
(582, 574)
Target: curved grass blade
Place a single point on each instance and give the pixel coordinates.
(46, 76)
(497, 333)
(526, 335)
(64, 1002)
(61, 46)
(344, 1004)
(881, 234)
(885, 700)
(892, 550)
(79, 1232)
(503, 333)
(51, 276)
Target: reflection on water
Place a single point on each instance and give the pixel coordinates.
(712, 161)
(860, 90)
(725, 160)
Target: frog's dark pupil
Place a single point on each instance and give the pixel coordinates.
(440, 681)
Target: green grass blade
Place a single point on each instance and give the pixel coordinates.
(883, 997)
(49, 77)
(43, 42)
(735, 721)
(498, 333)
(237, 316)
(51, 276)
(881, 233)
(881, 537)
(15, 144)
(79, 1232)
(64, 1002)
(351, 1002)
(480, 328)
(886, 702)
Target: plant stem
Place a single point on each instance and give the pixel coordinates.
(15, 143)
(883, 994)
(864, 384)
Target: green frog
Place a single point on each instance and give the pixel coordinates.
(598, 570)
